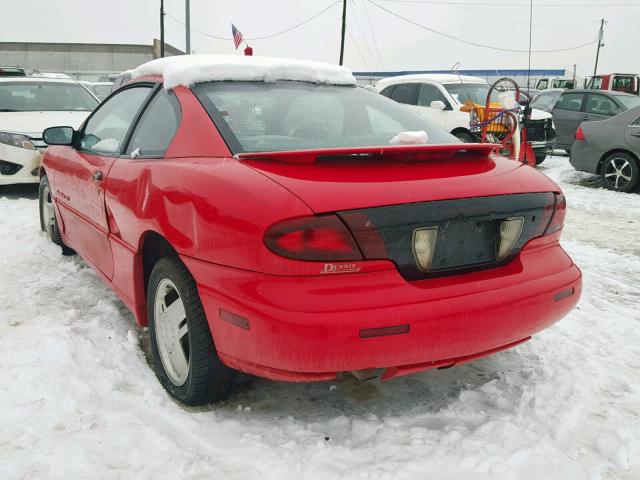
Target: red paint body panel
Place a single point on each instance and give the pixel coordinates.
(329, 187)
(214, 210)
(314, 326)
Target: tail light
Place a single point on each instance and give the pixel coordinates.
(323, 238)
(559, 214)
(580, 134)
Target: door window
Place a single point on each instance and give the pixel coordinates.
(542, 84)
(156, 127)
(387, 91)
(107, 128)
(430, 93)
(570, 101)
(602, 105)
(406, 93)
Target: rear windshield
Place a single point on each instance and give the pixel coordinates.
(628, 101)
(44, 96)
(266, 117)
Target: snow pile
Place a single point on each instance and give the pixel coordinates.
(189, 69)
(78, 400)
(410, 138)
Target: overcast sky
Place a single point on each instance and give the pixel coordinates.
(400, 45)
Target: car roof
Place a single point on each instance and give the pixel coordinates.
(36, 80)
(433, 77)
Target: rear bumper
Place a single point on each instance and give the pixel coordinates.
(310, 328)
(584, 157)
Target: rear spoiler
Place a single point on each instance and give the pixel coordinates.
(398, 153)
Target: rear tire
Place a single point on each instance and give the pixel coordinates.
(619, 172)
(48, 220)
(540, 157)
(184, 355)
(466, 137)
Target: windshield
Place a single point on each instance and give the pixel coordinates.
(546, 100)
(279, 116)
(628, 101)
(44, 96)
(476, 92)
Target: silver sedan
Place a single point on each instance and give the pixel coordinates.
(611, 149)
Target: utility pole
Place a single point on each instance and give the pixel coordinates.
(187, 26)
(344, 26)
(600, 44)
(161, 28)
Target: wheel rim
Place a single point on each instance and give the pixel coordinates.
(48, 215)
(618, 172)
(172, 332)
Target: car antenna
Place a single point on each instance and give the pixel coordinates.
(455, 70)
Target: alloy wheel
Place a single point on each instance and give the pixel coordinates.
(618, 172)
(171, 331)
(48, 215)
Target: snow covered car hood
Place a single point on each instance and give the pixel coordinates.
(33, 123)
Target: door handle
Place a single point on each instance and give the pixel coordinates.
(97, 176)
(637, 135)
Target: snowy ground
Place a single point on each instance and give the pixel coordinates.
(78, 400)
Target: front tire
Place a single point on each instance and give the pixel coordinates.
(184, 356)
(619, 172)
(48, 220)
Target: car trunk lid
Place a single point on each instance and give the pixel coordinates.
(355, 178)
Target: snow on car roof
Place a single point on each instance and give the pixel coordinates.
(189, 69)
(434, 77)
(36, 80)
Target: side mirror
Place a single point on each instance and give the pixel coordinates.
(438, 105)
(59, 135)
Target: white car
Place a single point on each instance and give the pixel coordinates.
(27, 106)
(439, 97)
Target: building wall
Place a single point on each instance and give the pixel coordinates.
(80, 61)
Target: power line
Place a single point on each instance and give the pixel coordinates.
(373, 35)
(362, 34)
(494, 4)
(355, 44)
(482, 45)
(262, 37)
(512, 20)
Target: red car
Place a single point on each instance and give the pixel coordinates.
(254, 215)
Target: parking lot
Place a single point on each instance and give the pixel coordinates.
(78, 400)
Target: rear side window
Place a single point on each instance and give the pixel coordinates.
(570, 101)
(157, 126)
(107, 128)
(602, 105)
(406, 93)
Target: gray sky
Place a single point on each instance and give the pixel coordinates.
(400, 45)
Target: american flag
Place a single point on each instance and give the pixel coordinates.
(237, 36)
